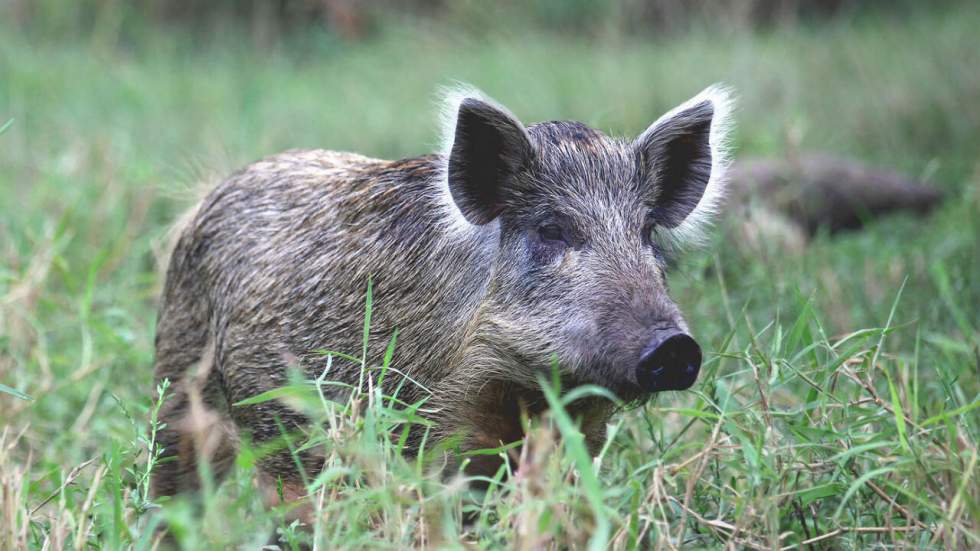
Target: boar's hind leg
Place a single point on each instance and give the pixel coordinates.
(198, 438)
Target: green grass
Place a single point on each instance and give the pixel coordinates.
(838, 401)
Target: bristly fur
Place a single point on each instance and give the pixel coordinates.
(273, 264)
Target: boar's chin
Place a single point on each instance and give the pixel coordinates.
(609, 377)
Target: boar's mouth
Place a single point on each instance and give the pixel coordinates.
(501, 407)
(670, 361)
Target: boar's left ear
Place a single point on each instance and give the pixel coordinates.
(489, 148)
(684, 160)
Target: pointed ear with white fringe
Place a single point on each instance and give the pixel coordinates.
(684, 158)
(489, 146)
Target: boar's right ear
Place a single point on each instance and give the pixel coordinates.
(489, 147)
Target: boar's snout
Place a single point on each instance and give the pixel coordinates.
(671, 361)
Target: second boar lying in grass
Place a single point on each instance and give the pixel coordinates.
(516, 247)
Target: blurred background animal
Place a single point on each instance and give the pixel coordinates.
(786, 201)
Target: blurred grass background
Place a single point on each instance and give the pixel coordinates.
(121, 109)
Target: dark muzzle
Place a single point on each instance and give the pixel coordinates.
(671, 361)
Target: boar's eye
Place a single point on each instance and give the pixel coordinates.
(648, 240)
(647, 233)
(552, 233)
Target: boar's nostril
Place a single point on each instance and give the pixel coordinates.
(671, 361)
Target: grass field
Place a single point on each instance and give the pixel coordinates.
(838, 405)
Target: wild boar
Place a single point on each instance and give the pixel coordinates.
(516, 247)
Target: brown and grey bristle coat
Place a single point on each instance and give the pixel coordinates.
(512, 248)
(515, 247)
